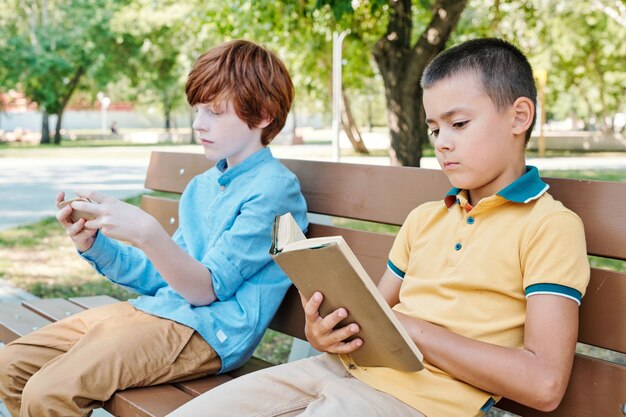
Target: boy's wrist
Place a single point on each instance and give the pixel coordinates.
(151, 232)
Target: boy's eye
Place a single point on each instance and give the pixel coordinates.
(434, 132)
(459, 125)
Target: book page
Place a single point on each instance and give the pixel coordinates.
(285, 231)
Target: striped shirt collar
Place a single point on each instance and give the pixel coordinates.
(526, 188)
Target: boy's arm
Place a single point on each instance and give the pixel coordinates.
(121, 221)
(188, 277)
(536, 375)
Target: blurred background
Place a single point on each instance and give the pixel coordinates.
(114, 70)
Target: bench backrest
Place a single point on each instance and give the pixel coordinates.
(383, 194)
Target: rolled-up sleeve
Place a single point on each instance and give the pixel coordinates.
(124, 265)
(243, 250)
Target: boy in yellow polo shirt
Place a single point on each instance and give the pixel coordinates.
(487, 282)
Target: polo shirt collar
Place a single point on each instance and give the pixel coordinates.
(526, 188)
(228, 174)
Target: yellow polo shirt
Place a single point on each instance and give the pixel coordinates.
(470, 270)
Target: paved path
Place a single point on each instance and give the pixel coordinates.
(28, 186)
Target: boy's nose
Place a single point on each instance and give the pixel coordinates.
(443, 143)
(197, 124)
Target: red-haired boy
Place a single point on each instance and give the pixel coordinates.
(208, 293)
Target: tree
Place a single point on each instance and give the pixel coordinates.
(160, 39)
(56, 43)
(414, 35)
(578, 43)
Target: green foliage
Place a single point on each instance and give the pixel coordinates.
(50, 46)
(158, 43)
(577, 42)
(80, 289)
(142, 50)
(29, 236)
(274, 347)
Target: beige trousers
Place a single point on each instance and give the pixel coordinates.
(319, 386)
(70, 367)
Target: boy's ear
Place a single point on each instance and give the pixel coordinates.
(524, 112)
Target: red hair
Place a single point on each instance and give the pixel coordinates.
(253, 77)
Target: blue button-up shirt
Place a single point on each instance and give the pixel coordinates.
(226, 218)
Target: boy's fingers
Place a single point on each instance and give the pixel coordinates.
(93, 224)
(63, 215)
(75, 228)
(345, 332)
(86, 207)
(93, 195)
(348, 347)
(312, 307)
(60, 197)
(329, 322)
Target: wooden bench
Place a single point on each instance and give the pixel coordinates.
(386, 195)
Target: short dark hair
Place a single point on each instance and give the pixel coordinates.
(252, 76)
(504, 71)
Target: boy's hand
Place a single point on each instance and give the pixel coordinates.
(320, 331)
(82, 237)
(116, 219)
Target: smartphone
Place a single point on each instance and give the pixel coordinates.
(77, 214)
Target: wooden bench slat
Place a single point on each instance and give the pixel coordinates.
(165, 210)
(16, 321)
(596, 388)
(157, 401)
(364, 192)
(93, 301)
(171, 171)
(53, 309)
(198, 386)
(600, 205)
(603, 310)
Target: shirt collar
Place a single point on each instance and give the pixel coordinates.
(526, 188)
(228, 174)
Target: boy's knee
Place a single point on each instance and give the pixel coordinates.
(41, 395)
(8, 358)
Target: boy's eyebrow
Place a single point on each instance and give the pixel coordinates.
(447, 114)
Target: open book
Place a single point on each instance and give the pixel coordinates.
(328, 265)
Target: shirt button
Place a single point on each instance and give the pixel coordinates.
(458, 246)
(470, 220)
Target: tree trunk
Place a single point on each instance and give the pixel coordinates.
(401, 65)
(167, 114)
(351, 129)
(45, 128)
(57, 130)
(60, 107)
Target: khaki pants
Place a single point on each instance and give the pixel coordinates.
(318, 386)
(70, 367)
